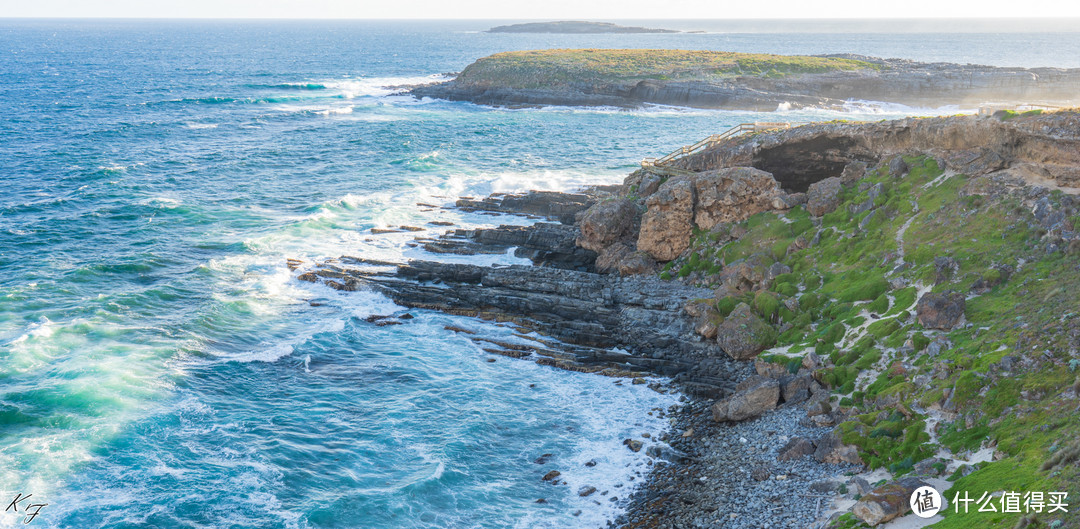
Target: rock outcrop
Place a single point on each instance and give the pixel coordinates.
(752, 398)
(703, 200)
(822, 197)
(667, 224)
(606, 223)
(743, 334)
(940, 311)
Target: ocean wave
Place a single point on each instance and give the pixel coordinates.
(274, 352)
(289, 86)
(379, 86)
(881, 107)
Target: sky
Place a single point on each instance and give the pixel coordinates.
(536, 9)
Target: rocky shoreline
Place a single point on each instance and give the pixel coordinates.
(813, 400)
(762, 89)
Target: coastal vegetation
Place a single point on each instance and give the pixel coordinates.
(914, 394)
(543, 68)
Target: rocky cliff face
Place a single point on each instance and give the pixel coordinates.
(775, 171)
(893, 80)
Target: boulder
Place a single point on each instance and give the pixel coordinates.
(636, 263)
(831, 449)
(887, 502)
(605, 223)
(733, 195)
(705, 318)
(623, 259)
(859, 486)
(743, 334)
(853, 172)
(667, 224)
(823, 196)
(795, 448)
(897, 167)
(744, 275)
(940, 311)
(649, 184)
(795, 389)
(758, 397)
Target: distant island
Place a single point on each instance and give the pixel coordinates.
(574, 26)
(741, 81)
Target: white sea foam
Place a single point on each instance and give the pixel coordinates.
(335, 111)
(377, 86)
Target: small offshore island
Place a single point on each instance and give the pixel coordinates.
(574, 27)
(741, 81)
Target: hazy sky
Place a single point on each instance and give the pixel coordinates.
(536, 9)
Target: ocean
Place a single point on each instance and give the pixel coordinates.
(160, 365)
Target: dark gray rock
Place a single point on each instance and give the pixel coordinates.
(940, 311)
(795, 389)
(897, 167)
(796, 448)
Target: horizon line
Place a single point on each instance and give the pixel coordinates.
(552, 19)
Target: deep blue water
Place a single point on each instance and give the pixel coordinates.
(161, 367)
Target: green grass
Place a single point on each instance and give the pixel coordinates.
(1029, 315)
(543, 68)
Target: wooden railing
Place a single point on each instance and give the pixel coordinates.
(742, 128)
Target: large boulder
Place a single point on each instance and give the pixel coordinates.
(823, 196)
(796, 448)
(733, 194)
(940, 311)
(898, 167)
(756, 396)
(887, 502)
(623, 259)
(743, 334)
(606, 222)
(668, 223)
(795, 389)
(853, 172)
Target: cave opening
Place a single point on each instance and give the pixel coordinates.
(797, 164)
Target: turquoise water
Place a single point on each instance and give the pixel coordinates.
(160, 366)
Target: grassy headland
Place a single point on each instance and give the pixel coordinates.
(545, 68)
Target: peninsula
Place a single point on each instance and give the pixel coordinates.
(854, 310)
(741, 81)
(574, 27)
